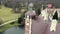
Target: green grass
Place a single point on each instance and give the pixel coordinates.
(7, 15)
(5, 27)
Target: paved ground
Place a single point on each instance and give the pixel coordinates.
(47, 31)
(40, 26)
(15, 30)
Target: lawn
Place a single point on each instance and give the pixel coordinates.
(6, 14)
